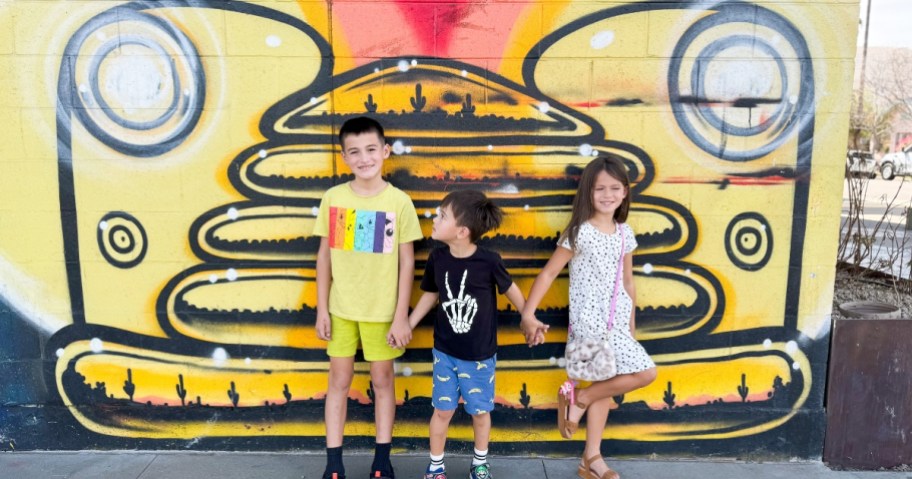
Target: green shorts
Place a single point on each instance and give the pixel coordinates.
(347, 335)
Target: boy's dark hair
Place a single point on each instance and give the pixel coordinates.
(359, 125)
(472, 209)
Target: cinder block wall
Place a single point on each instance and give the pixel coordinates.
(161, 162)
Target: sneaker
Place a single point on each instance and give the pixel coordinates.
(481, 471)
(435, 475)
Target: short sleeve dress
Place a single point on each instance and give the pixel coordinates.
(593, 270)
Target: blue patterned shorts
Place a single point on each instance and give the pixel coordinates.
(471, 380)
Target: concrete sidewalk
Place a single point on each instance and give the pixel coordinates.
(243, 465)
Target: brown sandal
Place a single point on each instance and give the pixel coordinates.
(585, 470)
(570, 427)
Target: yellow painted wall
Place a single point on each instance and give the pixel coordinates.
(160, 165)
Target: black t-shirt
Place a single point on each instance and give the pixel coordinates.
(466, 325)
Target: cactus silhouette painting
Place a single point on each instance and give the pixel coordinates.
(369, 105)
(129, 387)
(743, 389)
(181, 391)
(287, 393)
(233, 395)
(669, 397)
(418, 101)
(524, 397)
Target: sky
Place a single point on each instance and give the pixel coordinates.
(891, 23)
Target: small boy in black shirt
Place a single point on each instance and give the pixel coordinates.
(465, 330)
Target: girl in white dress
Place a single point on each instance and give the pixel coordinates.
(591, 243)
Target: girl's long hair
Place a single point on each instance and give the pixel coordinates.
(583, 209)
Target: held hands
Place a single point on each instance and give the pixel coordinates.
(400, 333)
(533, 329)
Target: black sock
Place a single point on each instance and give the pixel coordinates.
(334, 462)
(382, 458)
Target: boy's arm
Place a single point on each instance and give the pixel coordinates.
(400, 333)
(533, 329)
(425, 304)
(324, 281)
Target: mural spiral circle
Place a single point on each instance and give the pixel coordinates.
(139, 85)
(738, 96)
(749, 241)
(121, 239)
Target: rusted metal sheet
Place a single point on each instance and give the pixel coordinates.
(869, 394)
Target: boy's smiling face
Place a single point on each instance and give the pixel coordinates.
(364, 154)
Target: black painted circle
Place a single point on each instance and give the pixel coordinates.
(741, 231)
(121, 239)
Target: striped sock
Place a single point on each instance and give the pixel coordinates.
(436, 464)
(481, 457)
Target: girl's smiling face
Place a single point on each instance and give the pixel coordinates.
(607, 194)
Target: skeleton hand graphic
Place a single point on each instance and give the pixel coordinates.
(461, 309)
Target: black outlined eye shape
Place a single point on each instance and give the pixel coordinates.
(137, 82)
(749, 241)
(122, 239)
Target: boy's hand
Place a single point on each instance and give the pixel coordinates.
(400, 334)
(324, 326)
(533, 330)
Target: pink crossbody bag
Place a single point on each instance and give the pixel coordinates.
(593, 359)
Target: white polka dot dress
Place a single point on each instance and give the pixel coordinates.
(593, 270)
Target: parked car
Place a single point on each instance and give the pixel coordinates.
(896, 164)
(860, 163)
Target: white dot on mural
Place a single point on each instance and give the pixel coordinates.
(427, 213)
(465, 73)
(793, 99)
(796, 366)
(59, 352)
(313, 100)
(231, 274)
(232, 213)
(562, 362)
(767, 343)
(315, 211)
(96, 345)
(376, 70)
(247, 361)
(398, 147)
(219, 356)
(525, 207)
(83, 88)
(687, 271)
(408, 149)
(406, 371)
(791, 347)
(490, 147)
(552, 360)
(647, 268)
(585, 149)
(595, 152)
(273, 41)
(602, 39)
(103, 225)
(213, 278)
(403, 66)
(261, 153)
(544, 107)
(414, 63)
(186, 92)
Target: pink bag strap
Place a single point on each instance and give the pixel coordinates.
(617, 282)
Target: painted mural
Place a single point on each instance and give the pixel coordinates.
(162, 163)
